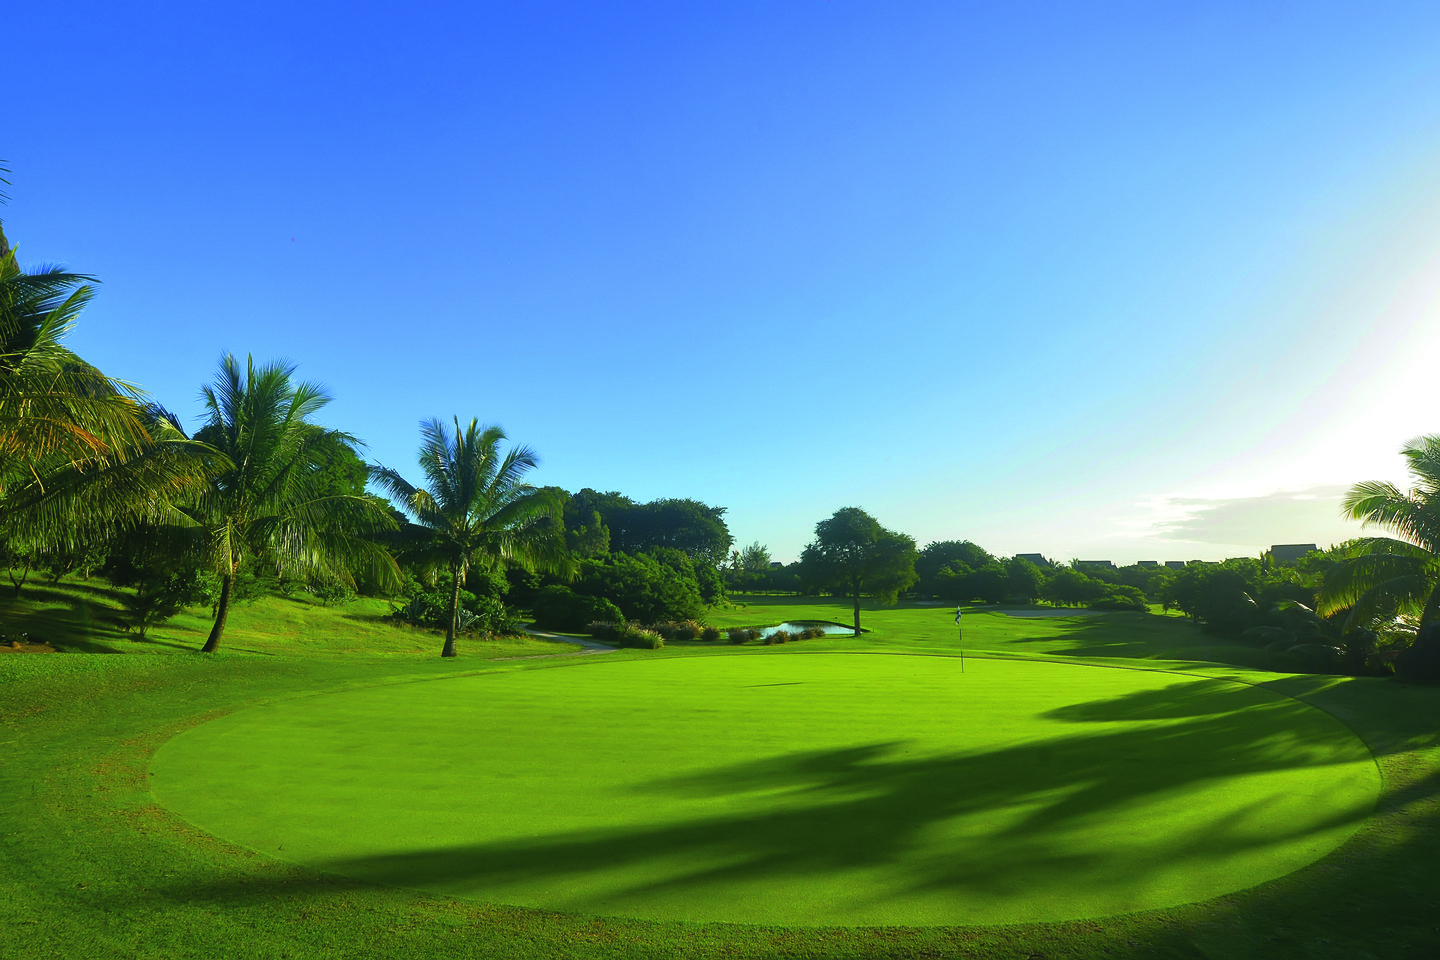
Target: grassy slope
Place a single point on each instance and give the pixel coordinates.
(78, 616)
(90, 866)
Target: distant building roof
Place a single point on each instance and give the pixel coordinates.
(1097, 563)
(1286, 552)
(1147, 563)
(1035, 558)
(1175, 564)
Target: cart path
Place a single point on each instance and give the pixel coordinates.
(588, 647)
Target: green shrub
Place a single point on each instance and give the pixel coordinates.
(605, 629)
(1118, 603)
(1317, 657)
(331, 594)
(489, 615)
(737, 635)
(633, 635)
(559, 608)
(602, 609)
(710, 634)
(1119, 596)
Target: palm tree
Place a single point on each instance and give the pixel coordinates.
(68, 505)
(475, 511)
(51, 401)
(1387, 575)
(267, 505)
(79, 452)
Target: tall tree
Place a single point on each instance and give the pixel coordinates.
(78, 452)
(852, 552)
(476, 511)
(939, 555)
(689, 525)
(52, 403)
(755, 558)
(271, 503)
(1386, 575)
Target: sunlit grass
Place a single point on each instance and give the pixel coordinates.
(80, 615)
(91, 865)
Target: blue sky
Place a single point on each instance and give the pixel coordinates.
(1126, 281)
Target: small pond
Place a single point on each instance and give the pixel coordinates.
(795, 626)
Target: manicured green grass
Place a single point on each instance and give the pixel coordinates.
(931, 629)
(826, 789)
(91, 865)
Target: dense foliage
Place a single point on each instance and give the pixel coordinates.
(475, 511)
(854, 555)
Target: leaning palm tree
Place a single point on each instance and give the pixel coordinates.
(79, 453)
(475, 511)
(267, 506)
(51, 401)
(1388, 575)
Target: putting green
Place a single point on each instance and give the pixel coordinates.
(794, 789)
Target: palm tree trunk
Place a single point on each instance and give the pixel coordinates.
(222, 609)
(1431, 613)
(449, 650)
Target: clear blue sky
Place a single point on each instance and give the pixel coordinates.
(1109, 280)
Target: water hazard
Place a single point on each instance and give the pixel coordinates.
(795, 626)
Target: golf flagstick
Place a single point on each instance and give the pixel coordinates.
(960, 633)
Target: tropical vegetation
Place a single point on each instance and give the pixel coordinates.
(267, 507)
(475, 511)
(1383, 576)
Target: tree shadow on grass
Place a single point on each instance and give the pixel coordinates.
(1184, 698)
(1136, 636)
(1037, 822)
(75, 626)
(1373, 897)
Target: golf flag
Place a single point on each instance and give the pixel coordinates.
(958, 611)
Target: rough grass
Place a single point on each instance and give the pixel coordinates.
(91, 866)
(80, 616)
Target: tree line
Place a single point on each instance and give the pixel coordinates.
(1367, 606)
(94, 475)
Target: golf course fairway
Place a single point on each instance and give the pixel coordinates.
(788, 788)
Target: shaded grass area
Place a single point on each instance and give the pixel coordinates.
(91, 866)
(995, 796)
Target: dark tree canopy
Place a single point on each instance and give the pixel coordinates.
(853, 553)
(687, 525)
(645, 588)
